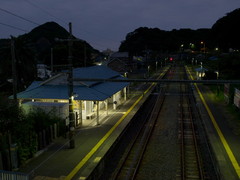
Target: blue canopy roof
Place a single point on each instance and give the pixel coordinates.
(201, 69)
(93, 91)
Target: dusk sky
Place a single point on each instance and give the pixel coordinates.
(105, 23)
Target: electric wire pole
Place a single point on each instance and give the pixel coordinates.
(70, 41)
(14, 71)
(51, 60)
(70, 90)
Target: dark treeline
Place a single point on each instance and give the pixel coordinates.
(156, 40)
(223, 35)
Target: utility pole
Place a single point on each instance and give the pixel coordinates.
(70, 90)
(14, 70)
(70, 41)
(85, 56)
(14, 82)
(51, 60)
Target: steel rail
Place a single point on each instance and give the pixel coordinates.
(201, 174)
(153, 120)
(193, 138)
(182, 138)
(144, 137)
(130, 148)
(154, 117)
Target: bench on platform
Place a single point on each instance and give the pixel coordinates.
(91, 115)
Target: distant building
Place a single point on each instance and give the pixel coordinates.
(121, 62)
(200, 72)
(120, 55)
(107, 52)
(91, 99)
(43, 72)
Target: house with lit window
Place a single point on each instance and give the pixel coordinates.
(90, 101)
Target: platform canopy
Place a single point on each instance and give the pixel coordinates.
(56, 87)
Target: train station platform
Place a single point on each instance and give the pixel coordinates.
(92, 142)
(224, 141)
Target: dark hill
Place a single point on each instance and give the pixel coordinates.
(49, 30)
(226, 31)
(36, 47)
(42, 38)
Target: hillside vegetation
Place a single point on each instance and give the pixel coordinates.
(35, 48)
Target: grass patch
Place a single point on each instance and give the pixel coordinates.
(218, 92)
(231, 111)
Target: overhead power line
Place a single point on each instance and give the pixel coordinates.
(60, 19)
(14, 27)
(20, 17)
(45, 11)
(35, 23)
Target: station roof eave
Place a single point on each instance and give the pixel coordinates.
(61, 92)
(100, 92)
(110, 88)
(57, 87)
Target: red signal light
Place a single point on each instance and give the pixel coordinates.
(171, 59)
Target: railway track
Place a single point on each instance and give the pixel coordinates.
(131, 162)
(190, 160)
(166, 146)
(130, 165)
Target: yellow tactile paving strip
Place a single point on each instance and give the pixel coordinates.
(220, 134)
(97, 146)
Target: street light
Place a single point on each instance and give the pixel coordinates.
(217, 73)
(192, 46)
(204, 48)
(148, 70)
(156, 65)
(182, 49)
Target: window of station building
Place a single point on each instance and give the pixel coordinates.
(62, 101)
(46, 100)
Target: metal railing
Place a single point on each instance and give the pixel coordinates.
(10, 175)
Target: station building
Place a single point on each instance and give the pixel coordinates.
(91, 99)
(200, 73)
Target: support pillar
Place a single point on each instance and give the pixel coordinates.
(98, 113)
(114, 102)
(125, 93)
(80, 112)
(106, 106)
